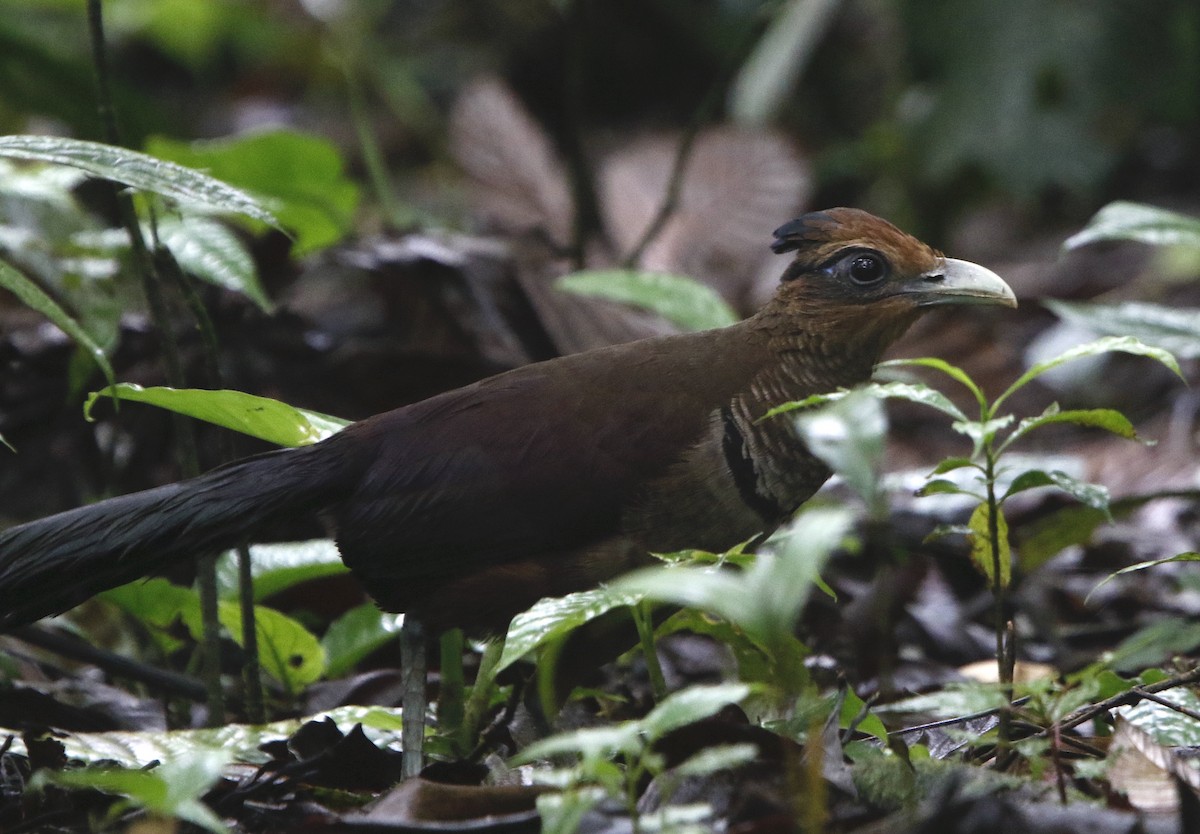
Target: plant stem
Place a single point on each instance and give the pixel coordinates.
(645, 629)
(1005, 655)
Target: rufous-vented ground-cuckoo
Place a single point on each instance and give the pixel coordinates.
(467, 507)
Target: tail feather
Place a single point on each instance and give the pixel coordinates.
(55, 563)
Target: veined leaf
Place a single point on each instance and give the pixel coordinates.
(356, 634)
(550, 619)
(953, 371)
(950, 464)
(31, 295)
(207, 249)
(986, 556)
(690, 705)
(1188, 556)
(260, 417)
(1100, 418)
(289, 652)
(1108, 344)
(300, 176)
(681, 300)
(1091, 495)
(277, 567)
(138, 170)
(1171, 328)
(1135, 221)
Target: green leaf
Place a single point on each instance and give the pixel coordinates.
(158, 605)
(1048, 536)
(278, 567)
(681, 300)
(1165, 725)
(210, 251)
(914, 392)
(553, 618)
(716, 758)
(981, 434)
(688, 706)
(1188, 556)
(589, 743)
(950, 464)
(1138, 222)
(941, 486)
(31, 295)
(355, 634)
(1091, 495)
(173, 790)
(984, 551)
(855, 709)
(1108, 344)
(184, 185)
(259, 417)
(299, 175)
(287, 650)
(1100, 418)
(1175, 329)
(953, 371)
(848, 437)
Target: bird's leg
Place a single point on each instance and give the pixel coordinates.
(412, 702)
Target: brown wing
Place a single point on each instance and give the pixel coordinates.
(536, 460)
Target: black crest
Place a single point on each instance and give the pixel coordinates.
(795, 233)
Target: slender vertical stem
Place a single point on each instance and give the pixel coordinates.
(452, 693)
(645, 629)
(251, 667)
(144, 264)
(1004, 649)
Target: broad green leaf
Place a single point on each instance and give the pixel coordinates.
(1047, 536)
(209, 250)
(1188, 556)
(1175, 329)
(288, 651)
(681, 300)
(158, 604)
(952, 702)
(848, 437)
(1100, 418)
(688, 706)
(1108, 344)
(173, 790)
(259, 417)
(355, 634)
(1134, 221)
(914, 392)
(983, 433)
(984, 551)
(302, 177)
(1167, 726)
(277, 567)
(953, 371)
(950, 464)
(1092, 495)
(138, 170)
(589, 743)
(717, 758)
(941, 486)
(752, 660)
(855, 709)
(31, 295)
(553, 618)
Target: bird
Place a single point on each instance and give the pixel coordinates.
(466, 508)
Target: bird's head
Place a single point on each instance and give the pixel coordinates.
(857, 277)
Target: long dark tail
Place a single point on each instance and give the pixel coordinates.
(55, 563)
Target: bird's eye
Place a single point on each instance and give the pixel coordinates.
(867, 269)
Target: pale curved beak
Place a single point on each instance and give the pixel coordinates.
(960, 282)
